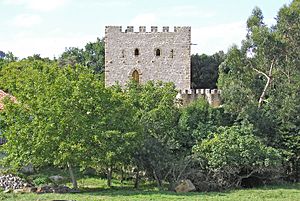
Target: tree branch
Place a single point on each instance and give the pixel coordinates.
(269, 80)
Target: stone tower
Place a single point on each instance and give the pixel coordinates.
(145, 56)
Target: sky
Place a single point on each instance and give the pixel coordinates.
(47, 27)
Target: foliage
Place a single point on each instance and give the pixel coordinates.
(41, 181)
(260, 82)
(6, 58)
(234, 154)
(58, 111)
(197, 121)
(156, 118)
(91, 56)
(205, 70)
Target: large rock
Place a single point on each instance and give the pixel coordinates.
(57, 178)
(185, 186)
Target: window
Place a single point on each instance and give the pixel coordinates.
(172, 53)
(136, 76)
(123, 54)
(157, 52)
(136, 52)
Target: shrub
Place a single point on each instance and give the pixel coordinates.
(234, 154)
(41, 180)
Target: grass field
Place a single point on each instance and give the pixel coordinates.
(92, 191)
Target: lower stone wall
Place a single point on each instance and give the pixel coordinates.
(185, 97)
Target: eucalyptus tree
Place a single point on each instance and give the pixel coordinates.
(260, 81)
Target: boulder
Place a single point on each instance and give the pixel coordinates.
(185, 186)
(19, 191)
(28, 169)
(57, 178)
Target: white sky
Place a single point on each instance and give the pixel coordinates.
(46, 27)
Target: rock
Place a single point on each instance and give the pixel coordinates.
(19, 191)
(44, 189)
(185, 186)
(27, 169)
(7, 191)
(29, 189)
(56, 178)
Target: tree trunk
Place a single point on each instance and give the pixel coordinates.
(109, 176)
(74, 181)
(263, 94)
(137, 178)
(122, 175)
(269, 80)
(158, 181)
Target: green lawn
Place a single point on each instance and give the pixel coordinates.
(279, 193)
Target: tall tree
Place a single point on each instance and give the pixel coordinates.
(92, 56)
(260, 81)
(58, 112)
(205, 70)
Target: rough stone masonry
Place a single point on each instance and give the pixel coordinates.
(145, 56)
(159, 56)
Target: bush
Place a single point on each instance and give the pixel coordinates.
(235, 154)
(41, 180)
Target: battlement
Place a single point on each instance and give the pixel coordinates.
(142, 29)
(185, 97)
(200, 91)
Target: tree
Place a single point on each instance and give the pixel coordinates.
(6, 58)
(59, 111)
(205, 70)
(91, 56)
(260, 81)
(197, 121)
(94, 55)
(155, 118)
(72, 56)
(234, 154)
(2, 54)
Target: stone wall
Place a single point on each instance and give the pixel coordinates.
(173, 64)
(213, 96)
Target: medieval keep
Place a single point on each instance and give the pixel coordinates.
(157, 55)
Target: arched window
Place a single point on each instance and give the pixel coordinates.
(136, 76)
(157, 52)
(136, 52)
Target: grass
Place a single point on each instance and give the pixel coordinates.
(91, 192)
(94, 189)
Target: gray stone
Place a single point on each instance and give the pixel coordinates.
(185, 186)
(163, 56)
(56, 178)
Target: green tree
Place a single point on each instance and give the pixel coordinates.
(234, 154)
(92, 56)
(197, 121)
(58, 112)
(260, 81)
(155, 119)
(205, 70)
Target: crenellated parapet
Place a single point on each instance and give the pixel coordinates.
(142, 29)
(213, 96)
